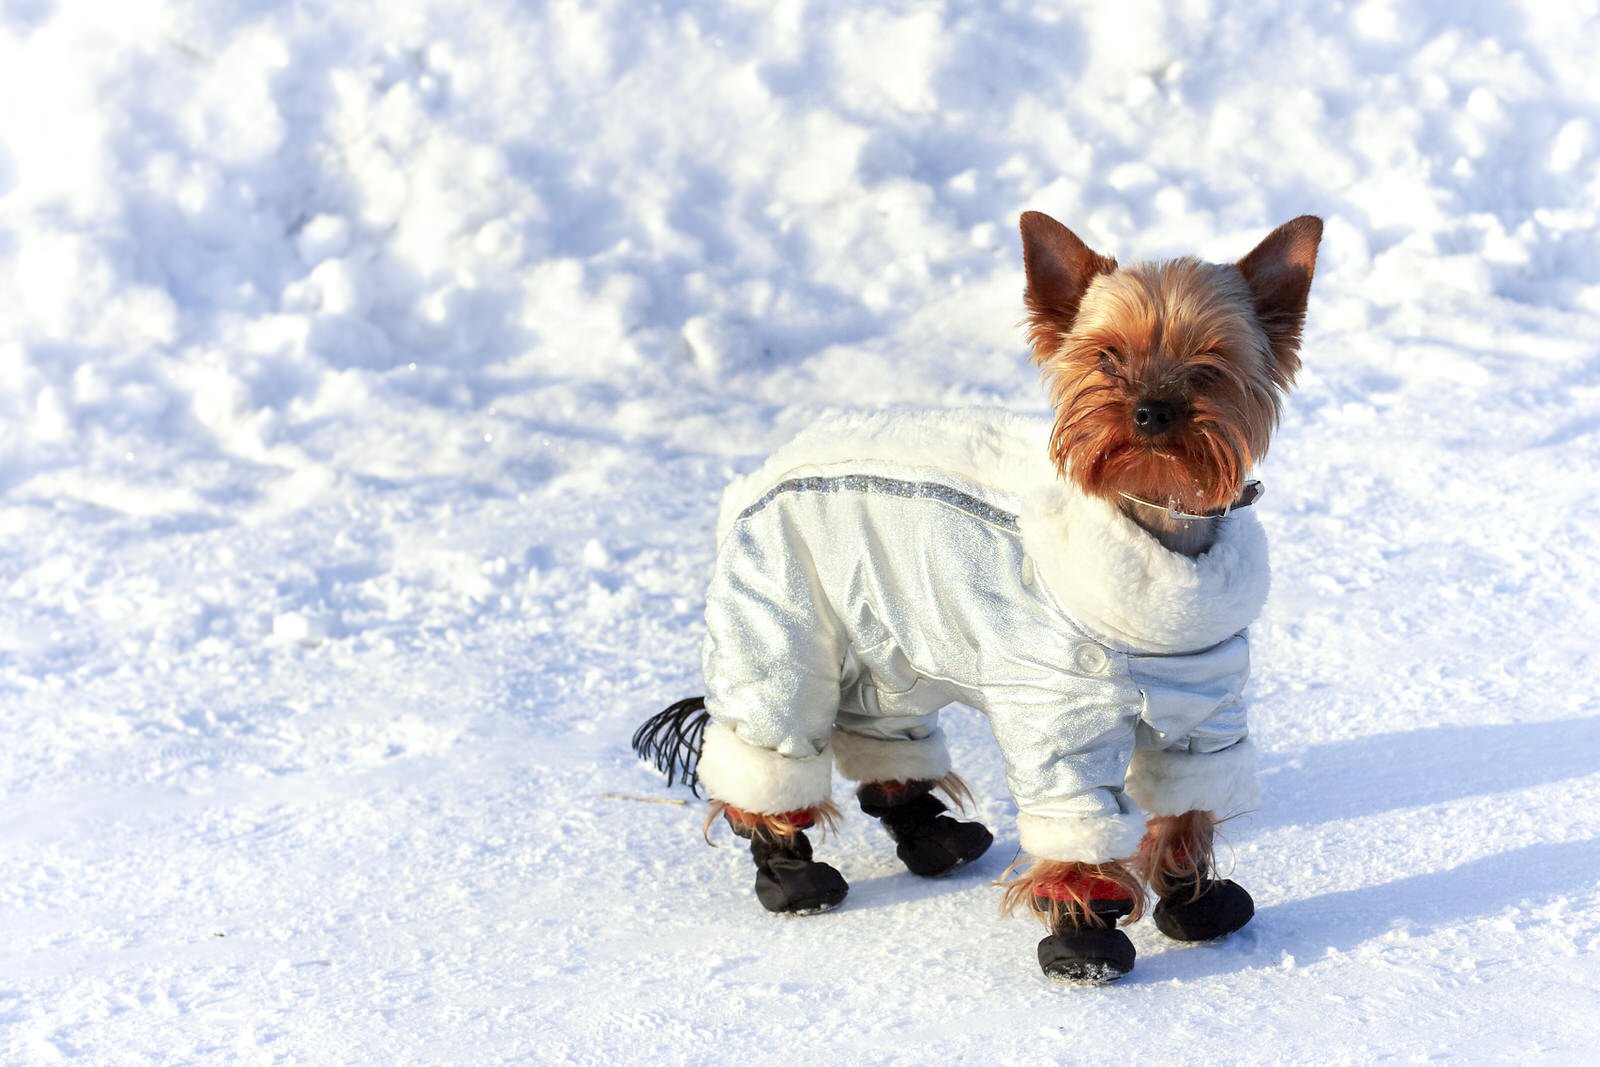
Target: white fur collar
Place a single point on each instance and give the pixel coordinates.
(1118, 581)
(1105, 571)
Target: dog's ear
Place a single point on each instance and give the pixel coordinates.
(1278, 271)
(1059, 267)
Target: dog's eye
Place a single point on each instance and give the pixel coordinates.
(1205, 376)
(1110, 362)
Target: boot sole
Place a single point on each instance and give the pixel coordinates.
(1090, 957)
(1085, 973)
(812, 910)
(808, 907)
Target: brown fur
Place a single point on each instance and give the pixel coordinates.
(1176, 850)
(1278, 271)
(824, 817)
(1217, 342)
(1059, 268)
(955, 787)
(1023, 891)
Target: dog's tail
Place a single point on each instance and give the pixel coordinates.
(671, 740)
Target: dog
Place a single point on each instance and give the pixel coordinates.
(1084, 581)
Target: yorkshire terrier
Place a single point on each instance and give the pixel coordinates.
(1085, 582)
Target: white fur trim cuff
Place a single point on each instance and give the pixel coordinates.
(759, 780)
(1081, 838)
(874, 759)
(1173, 782)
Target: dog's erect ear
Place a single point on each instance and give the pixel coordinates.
(1279, 271)
(1059, 267)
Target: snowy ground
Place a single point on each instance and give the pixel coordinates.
(369, 375)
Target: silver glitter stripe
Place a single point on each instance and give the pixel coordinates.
(872, 483)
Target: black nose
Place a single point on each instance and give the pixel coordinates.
(1154, 417)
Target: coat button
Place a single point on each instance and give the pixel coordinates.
(1091, 659)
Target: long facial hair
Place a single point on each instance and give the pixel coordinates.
(1216, 345)
(1182, 333)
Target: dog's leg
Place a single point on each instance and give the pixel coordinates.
(899, 762)
(1081, 904)
(928, 841)
(788, 880)
(1178, 861)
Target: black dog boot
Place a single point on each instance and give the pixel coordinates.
(928, 842)
(1091, 952)
(1219, 909)
(788, 880)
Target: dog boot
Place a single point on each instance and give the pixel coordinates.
(788, 880)
(1092, 951)
(1220, 908)
(928, 842)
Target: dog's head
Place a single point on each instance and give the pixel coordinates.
(1166, 377)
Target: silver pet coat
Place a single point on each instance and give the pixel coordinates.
(880, 567)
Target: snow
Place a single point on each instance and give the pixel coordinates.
(369, 377)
